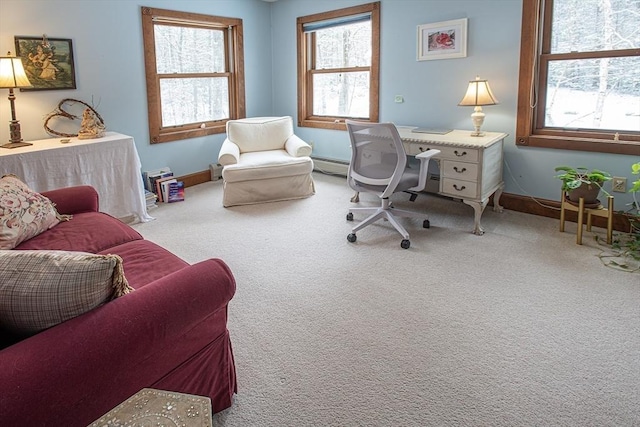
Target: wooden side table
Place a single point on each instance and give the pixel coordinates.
(599, 210)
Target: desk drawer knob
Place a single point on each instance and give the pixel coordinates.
(457, 153)
(463, 170)
(424, 149)
(459, 189)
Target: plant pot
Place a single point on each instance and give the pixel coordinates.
(589, 192)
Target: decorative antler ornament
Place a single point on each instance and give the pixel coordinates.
(61, 112)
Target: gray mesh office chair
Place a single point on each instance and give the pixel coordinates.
(379, 166)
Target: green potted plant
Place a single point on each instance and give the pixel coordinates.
(582, 182)
(625, 250)
(632, 243)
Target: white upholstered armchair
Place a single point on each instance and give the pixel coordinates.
(263, 161)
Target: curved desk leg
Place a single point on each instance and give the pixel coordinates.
(496, 199)
(478, 208)
(356, 197)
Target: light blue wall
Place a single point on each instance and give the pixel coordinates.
(107, 44)
(432, 89)
(107, 41)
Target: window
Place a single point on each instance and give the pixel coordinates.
(580, 75)
(195, 76)
(338, 66)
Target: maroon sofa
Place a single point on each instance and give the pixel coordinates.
(169, 334)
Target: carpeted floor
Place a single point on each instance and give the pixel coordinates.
(519, 327)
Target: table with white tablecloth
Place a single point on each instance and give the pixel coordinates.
(109, 164)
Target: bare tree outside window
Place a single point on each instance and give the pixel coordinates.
(594, 93)
(338, 66)
(195, 76)
(344, 93)
(580, 75)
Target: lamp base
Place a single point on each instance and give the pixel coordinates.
(15, 144)
(477, 117)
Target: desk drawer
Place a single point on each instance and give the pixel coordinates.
(459, 189)
(459, 170)
(454, 153)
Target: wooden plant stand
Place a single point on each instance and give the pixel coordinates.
(599, 210)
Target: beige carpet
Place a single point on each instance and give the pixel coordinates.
(519, 327)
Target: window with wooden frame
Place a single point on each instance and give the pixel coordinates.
(579, 83)
(338, 66)
(195, 73)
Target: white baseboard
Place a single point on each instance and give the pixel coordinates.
(330, 166)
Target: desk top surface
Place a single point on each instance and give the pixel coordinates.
(461, 138)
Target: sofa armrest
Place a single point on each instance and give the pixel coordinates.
(296, 147)
(72, 200)
(229, 153)
(116, 349)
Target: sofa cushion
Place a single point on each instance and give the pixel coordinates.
(145, 262)
(23, 212)
(267, 165)
(260, 133)
(88, 232)
(40, 289)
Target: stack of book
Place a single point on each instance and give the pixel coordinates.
(150, 198)
(164, 185)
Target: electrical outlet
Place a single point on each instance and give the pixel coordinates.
(619, 184)
(399, 99)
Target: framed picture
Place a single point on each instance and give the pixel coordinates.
(48, 62)
(442, 40)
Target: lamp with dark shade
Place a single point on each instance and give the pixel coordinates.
(12, 75)
(478, 94)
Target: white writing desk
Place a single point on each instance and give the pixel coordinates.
(470, 167)
(110, 164)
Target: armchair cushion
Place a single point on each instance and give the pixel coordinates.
(260, 133)
(265, 165)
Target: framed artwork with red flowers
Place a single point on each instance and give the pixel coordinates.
(442, 40)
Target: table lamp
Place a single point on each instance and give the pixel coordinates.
(478, 94)
(12, 75)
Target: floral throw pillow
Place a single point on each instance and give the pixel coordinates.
(23, 213)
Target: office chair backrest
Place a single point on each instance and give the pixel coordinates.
(378, 158)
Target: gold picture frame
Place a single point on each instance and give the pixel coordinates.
(48, 62)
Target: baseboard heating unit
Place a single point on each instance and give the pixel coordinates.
(330, 166)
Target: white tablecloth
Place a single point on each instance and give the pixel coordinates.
(110, 164)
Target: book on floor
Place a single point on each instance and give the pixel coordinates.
(149, 177)
(153, 179)
(175, 192)
(160, 189)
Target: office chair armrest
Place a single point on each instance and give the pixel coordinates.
(426, 155)
(296, 147)
(229, 153)
(424, 158)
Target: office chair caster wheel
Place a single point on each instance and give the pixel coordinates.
(349, 216)
(351, 237)
(426, 223)
(405, 244)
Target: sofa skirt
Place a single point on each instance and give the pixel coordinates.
(197, 376)
(268, 190)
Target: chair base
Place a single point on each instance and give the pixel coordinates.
(388, 212)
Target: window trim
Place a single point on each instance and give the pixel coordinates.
(528, 132)
(305, 73)
(234, 70)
